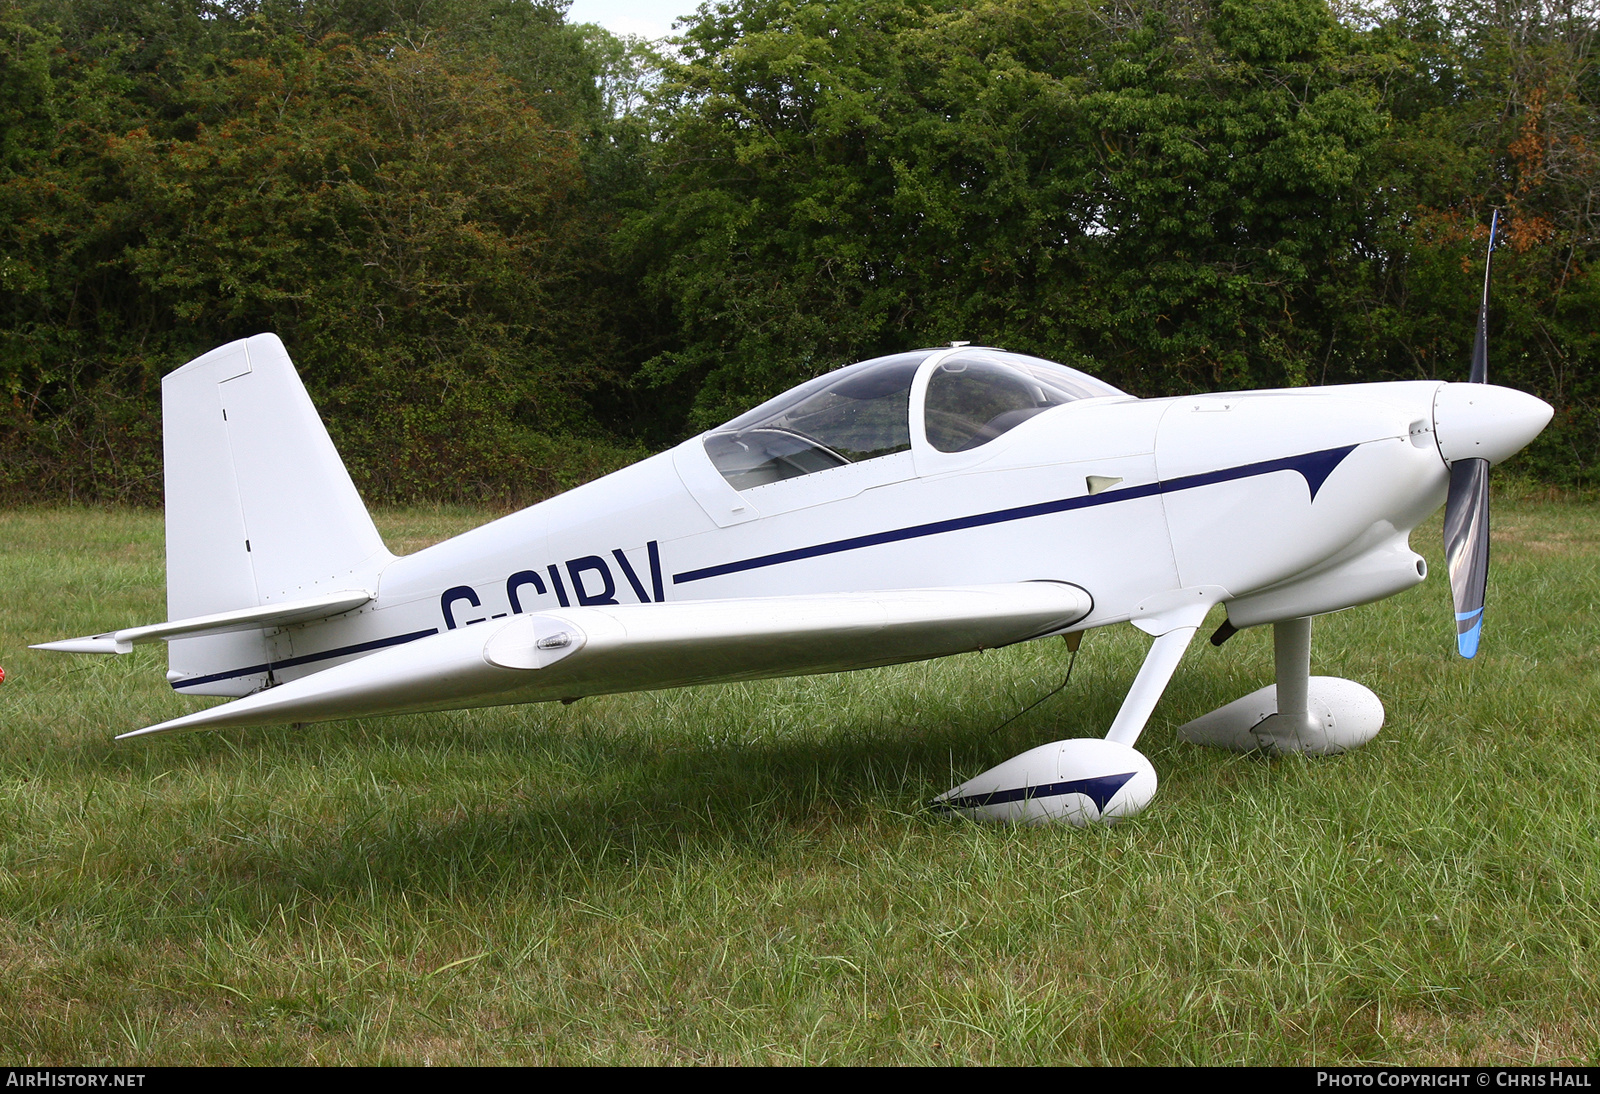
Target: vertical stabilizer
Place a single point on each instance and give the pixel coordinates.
(260, 508)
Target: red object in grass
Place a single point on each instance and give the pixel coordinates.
(2, 676)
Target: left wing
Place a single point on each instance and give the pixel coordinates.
(573, 652)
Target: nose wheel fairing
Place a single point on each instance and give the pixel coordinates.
(1312, 715)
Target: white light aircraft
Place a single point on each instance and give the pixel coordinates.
(903, 508)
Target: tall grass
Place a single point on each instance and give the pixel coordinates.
(750, 873)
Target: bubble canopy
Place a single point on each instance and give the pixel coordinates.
(863, 411)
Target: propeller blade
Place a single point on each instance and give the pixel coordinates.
(1466, 510)
(1466, 548)
(1480, 344)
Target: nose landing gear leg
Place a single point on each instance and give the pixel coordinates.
(1314, 715)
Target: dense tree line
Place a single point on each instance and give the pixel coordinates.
(508, 253)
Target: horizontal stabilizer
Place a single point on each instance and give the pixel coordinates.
(280, 614)
(596, 650)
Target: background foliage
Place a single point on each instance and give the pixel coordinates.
(508, 253)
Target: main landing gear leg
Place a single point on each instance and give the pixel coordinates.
(1315, 715)
(1154, 676)
(1084, 779)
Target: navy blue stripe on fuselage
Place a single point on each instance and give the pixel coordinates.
(1315, 467)
(325, 655)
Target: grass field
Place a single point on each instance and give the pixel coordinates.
(749, 873)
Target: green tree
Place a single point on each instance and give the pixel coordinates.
(389, 198)
(1492, 106)
(1152, 190)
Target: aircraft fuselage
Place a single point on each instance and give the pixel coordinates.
(1289, 502)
